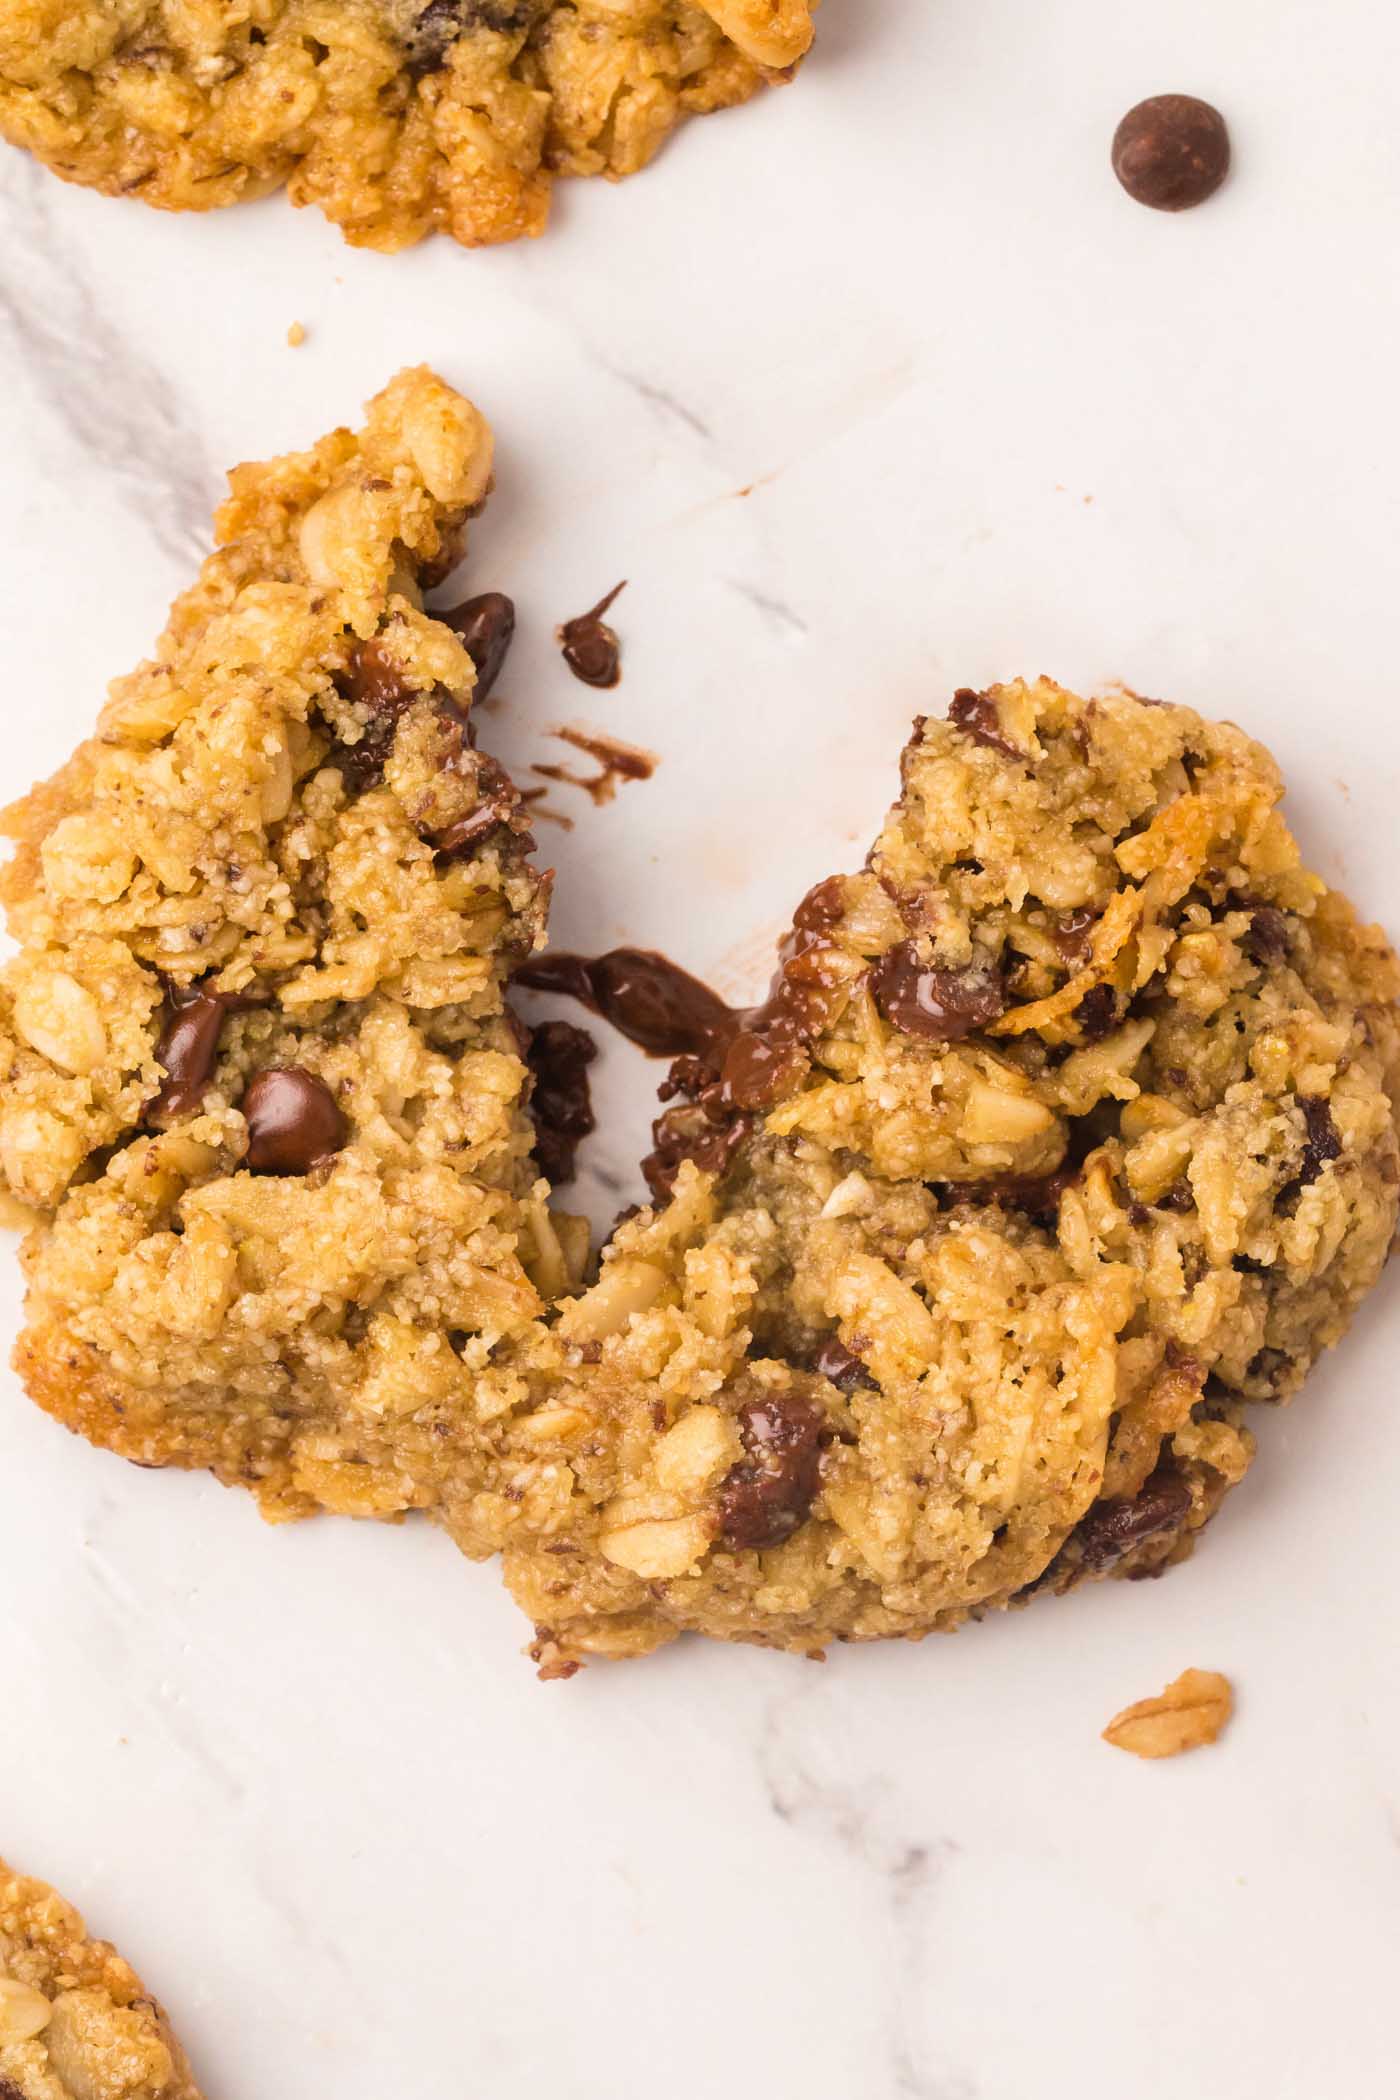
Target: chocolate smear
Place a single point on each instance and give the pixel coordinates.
(616, 762)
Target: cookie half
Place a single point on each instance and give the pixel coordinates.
(396, 117)
(1065, 1143)
(257, 1074)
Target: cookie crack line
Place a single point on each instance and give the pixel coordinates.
(1062, 1144)
(397, 118)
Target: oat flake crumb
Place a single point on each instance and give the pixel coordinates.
(1188, 1714)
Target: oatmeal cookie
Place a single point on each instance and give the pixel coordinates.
(76, 2023)
(257, 1074)
(1064, 1144)
(394, 116)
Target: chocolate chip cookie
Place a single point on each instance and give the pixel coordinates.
(76, 2023)
(1064, 1143)
(258, 1080)
(394, 116)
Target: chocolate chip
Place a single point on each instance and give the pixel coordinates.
(1266, 941)
(1324, 1142)
(1180, 1197)
(1097, 1012)
(591, 648)
(836, 1362)
(484, 626)
(1072, 933)
(1171, 152)
(1112, 1529)
(767, 1495)
(561, 1105)
(940, 1006)
(374, 684)
(976, 715)
(188, 1046)
(688, 1133)
(499, 804)
(293, 1121)
(436, 27)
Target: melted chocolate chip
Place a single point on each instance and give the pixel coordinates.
(1034, 1195)
(650, 1000)
(1112, 1529)
(765, 1497)
(484, 626)
(561, 1105)
(976, 715)
(1266, 942)
(940, 1006)
(499, 804)
(690, 1133)
(1074, 932)
(189, 1046)
(374, 684)
(1171, 152)
(836, 1362)
(1324, 1142)
(1097, 1013)
(436, 27)
(591, 648)
(293, 1121)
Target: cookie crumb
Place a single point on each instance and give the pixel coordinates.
(296, 336)
(1190, 1713)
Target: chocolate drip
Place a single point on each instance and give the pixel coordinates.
(591, 648)
(726, 1061)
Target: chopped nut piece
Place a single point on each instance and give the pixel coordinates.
(24, 2012)
(1188, 1714)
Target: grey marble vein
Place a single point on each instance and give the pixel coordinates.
(856, 1814)
(111, 404)
(658, 398)
(779, 615)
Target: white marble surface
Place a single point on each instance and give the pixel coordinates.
(995, 418)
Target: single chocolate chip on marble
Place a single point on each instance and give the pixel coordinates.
(484, 625)
(1171, 152)
(293, 1121)
(591, 648)
(941, 1006)
(767, 1495)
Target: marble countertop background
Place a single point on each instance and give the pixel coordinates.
(875, 389)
